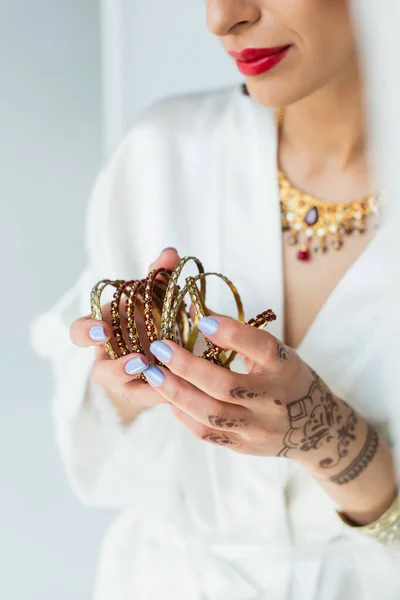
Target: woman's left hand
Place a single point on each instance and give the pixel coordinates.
(280, 408)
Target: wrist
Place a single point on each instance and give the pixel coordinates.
(347, 446)
(347, 454)
(367, 494)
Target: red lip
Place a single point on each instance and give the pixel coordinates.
(254, 61)
(250, 54)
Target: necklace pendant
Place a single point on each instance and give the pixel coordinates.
(304, 254)
(337, 242)
(312, 216)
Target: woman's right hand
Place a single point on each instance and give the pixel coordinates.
(118, 377)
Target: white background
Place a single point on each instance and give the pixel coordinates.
(53, 139)
(50, 150)
(155, 48)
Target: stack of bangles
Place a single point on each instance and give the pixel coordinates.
(164, 312)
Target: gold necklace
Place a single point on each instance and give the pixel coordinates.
(317, 220)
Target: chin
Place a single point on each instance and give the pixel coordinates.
(279, 93)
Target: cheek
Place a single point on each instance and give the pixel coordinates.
(326, 43)
(324, 28)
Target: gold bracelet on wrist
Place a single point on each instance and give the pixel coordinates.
(386, 529)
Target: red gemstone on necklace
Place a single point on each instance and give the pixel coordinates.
(303, 255)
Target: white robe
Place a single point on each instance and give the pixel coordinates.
(201, 522)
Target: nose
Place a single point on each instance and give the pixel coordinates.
(224, 17)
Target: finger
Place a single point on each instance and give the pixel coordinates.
(193, 402)
(135, 391)
(90, 332)
(111, 373)
(168, 259)
(213, 380)
(257, 345)
(208, 434)
(101, 353)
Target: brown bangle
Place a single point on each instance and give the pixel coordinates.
(116, 320)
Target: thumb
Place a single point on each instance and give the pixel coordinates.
(257, 345)
(168, 259)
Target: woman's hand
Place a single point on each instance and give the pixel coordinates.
(280, 408)
(118, 377)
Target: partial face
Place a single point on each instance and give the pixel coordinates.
(307, 42)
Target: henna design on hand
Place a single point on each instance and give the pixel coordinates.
(361, 461)
(242, 393)
(345, 435)
(222, 440)
(282, 351)
(314, 420)
(224, 422)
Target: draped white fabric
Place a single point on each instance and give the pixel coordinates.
(209, 522)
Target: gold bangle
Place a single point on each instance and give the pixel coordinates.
(386, 529)
(213, 352)
(95, 305)
(173, 301)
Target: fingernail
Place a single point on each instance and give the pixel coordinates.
(154, 375)
(169, 248)
(97, 333)
(135, 366)
(208, 325)
(161, 351)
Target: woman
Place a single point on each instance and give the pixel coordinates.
(281, 511)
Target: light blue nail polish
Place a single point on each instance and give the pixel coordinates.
(97, 333)
(161, 351)
(135, 366)
(208, 325)
(154, 375)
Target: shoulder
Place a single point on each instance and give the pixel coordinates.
(179, 122)
(186, 111)
(175, 117)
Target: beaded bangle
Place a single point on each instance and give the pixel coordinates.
(133, 334)
(95, 305)
(386, 529)
(116, 322)
(157, 297)
(181, 318)
(214, 353)
(172, 303)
